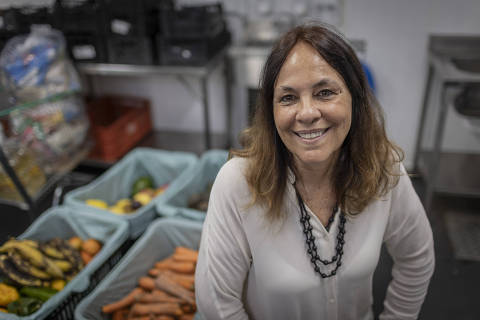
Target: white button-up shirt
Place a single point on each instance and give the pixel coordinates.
(251, 269)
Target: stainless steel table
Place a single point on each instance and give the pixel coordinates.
(453, 63)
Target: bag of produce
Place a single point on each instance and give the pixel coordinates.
(188, 197)
(56, 257)
(130, 189)
(161, 241)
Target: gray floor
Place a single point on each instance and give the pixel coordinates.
(454, 292)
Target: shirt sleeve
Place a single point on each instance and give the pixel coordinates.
(409, 241)
(224, 256)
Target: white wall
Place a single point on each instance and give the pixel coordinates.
(397, 38)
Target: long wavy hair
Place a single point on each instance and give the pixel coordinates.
(367, 165)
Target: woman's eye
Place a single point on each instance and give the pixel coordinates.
(325, 93)
(289, 98)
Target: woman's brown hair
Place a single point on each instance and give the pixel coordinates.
(365, 168)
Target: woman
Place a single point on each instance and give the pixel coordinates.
(297, 218)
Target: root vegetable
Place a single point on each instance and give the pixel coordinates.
(164, 283)
(180, 267)
(121, 314)
(143, 309)
(146, 283)
(153, 297)
(188, 316)
(126, 301)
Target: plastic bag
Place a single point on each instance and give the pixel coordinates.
(35, 66)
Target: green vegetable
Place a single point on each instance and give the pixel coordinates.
(24, 306)
(142, 183)
(39, 293)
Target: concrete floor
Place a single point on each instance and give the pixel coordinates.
(455, 286)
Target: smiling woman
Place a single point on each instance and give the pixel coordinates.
(297, 218)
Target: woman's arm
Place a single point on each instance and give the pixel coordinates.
(224, 257)
(409, 241)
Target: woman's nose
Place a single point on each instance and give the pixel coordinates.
(308, 112)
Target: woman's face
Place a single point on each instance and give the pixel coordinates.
(312, 107)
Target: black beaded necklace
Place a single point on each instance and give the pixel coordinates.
(310, 239)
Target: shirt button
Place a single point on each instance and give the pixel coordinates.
(331, 300)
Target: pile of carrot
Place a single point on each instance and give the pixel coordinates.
(166, 293)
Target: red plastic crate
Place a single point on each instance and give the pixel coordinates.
(118, 123)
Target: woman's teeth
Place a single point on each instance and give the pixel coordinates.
(311, 135)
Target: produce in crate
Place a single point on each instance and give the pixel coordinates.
(142, 192)
(34, 271)
(166, 293)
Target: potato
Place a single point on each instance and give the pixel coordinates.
(91, 246)
(75, 242)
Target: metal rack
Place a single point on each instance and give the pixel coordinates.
(181, 72)
(30, 202)
(449, 173)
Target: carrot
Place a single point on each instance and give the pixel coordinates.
(163, 264)
(185, 280)
(146, 283)
(188, 308)
(153, 272)
(139, 318)
(188, 316)
(177, 266)
(143, 309)
(120, 314)
(163, 282)
(164, 318)
(185, 258)
(152, 297)
(122, 303)
(185, 250)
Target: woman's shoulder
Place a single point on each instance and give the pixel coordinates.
(233, 173)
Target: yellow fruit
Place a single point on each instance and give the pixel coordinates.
(143, 197)
(3, 310)
(123, 202)
(7, 294)
(58, 284)
(97, 203)
(116, 209)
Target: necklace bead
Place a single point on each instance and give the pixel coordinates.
(310, 239)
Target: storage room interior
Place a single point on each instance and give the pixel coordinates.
(123, 95)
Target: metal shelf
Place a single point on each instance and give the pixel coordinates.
(181, 72)
(62, 169)
(108, 69)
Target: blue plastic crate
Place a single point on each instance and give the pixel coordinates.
(158, 242)
(65, 222)
(163, 166)
(195, 181)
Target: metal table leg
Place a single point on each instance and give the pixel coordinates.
(18, 184)
(208, 142)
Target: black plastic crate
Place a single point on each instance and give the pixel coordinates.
(125, 18)
(130, 50)
(152, 14)
(9, 21)
(29, 16)
(87, 47)
(66, 310)
(80, 16)
(173, 51)
(192, 21)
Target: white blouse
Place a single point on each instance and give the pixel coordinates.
(249, 269)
